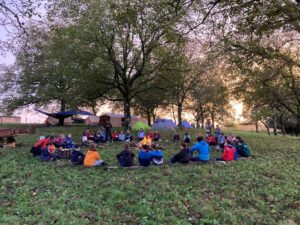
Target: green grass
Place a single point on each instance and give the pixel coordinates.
(262, 190)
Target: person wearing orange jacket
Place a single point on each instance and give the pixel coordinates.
(92, 157)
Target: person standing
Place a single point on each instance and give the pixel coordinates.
(108, 127)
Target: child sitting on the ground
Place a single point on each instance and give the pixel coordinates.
(92, 157)
(243, 149)
(187, 138)
(141, 134)
(211, 140)
(122, 136)
(144, 156)
(157, 155)
(77, 157)
(115, 136)
(229, 153)
(69, 142)
(128, 136)
(221, 141)
(203, 151)
(59, 141)
(48, 153)
(183, 156)
(176, 137)
(156, 136)
(125, 157)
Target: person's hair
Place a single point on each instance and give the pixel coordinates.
(93, 146)
(229, 142)
(238, 137)
(126, 146)
(183, 145)
(51, 137)
(153, 146)
(199, 138)
(241, 141)
(146, 147)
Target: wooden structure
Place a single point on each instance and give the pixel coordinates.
(7, 135)
(92, 120)
(10, 120)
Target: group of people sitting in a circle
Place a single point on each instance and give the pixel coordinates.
(150, 152)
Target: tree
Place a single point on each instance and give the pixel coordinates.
(127, 34)
(46, 72)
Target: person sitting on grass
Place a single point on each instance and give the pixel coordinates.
(144, 156)
(157, 155)
(59, 141)
(121, 136)
(86, 133)
(125, 157)
(69, 142)
(221, 141)
(176, 137)
(211, 140)
(187, 138)
(229, 153)
(115, 136)
(77, 157)
(203, 150)
(36, 150)
(49, 153)
(156, 136)
(128, 136)
(92, 157)
(243, 149)
(150, 135)
(141, 134)
(183, 156)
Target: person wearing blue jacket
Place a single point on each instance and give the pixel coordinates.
(203, 150)
(157, 155)
(145, 157)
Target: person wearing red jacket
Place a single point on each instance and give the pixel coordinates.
(229, 152)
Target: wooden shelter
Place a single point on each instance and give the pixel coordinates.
(10, 119)
(92, 120)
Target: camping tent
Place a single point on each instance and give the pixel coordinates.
(140, 125)
(166, 121)
(163, 126)
(186, 124)
(117, 120)
(92, 120)
(53, 122)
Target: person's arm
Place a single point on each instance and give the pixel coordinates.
(97, 156)
(119, 155)
(193, 148)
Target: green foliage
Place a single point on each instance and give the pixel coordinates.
(261, 190)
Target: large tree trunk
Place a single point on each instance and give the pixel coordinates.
(179, 112)
(256, 126)
(127, 114)
(275, 126)
(62, 109)
(149, 118)
(197, 122)
(153, 118)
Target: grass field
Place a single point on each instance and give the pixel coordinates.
(262, 190)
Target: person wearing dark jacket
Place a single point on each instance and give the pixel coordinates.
(108, 127)
(183, 156)
(125, 157)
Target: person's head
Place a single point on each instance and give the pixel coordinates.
(238, 138)
(145, 147)
(141, 129)
(69, 135)
(199, 138)
(128, 131)
(241, 141)
(93, 147)
(222, 134)
(156, 131)
(183, 146)
(229, 142)
(153, 146)
(126, 146)
(186, 133)
(87, 129)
